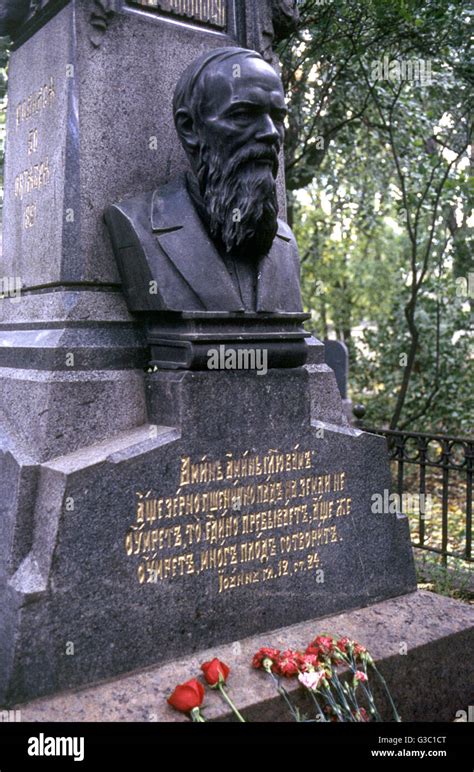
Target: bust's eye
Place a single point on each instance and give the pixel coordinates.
(242, 113)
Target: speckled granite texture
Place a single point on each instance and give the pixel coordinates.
(431, 682)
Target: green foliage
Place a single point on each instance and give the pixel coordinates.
(441, 397)
(453, 581)
(383, 220)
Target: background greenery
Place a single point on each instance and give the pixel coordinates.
(378, 174)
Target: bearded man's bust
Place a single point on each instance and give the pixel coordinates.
(205, 258)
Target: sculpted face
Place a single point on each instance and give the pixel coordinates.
(233, 141)
(244, 108)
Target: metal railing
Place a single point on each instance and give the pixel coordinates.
(440, 466)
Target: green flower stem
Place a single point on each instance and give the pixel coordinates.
(353, 697)
(196, 716)
(354, 667)
(387, 692)
(220, 686)
(283, 693)
(338, 686)
(318, 707)
(326, 691)
(342, 703)
(370, 698)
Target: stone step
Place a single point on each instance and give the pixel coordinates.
(433, 681)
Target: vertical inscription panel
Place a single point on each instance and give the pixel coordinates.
(39, 121)
(209, 12)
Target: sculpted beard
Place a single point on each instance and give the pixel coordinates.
(244, 187)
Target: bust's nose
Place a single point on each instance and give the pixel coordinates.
(267, 131)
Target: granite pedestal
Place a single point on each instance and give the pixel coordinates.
(419, 641)
(242, 505)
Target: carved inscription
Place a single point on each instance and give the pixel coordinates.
(37, 173)
(212, 12)
(246, 519)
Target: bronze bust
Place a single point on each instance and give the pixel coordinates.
(209, 245)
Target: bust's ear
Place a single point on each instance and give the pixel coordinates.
(186, 130)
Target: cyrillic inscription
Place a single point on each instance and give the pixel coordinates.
(37, 172)
(212, 12)
(248, 519)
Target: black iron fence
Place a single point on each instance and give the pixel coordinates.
(437, 471)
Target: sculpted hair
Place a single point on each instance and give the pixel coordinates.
(189, 89)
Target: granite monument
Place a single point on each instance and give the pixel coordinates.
(150, 512)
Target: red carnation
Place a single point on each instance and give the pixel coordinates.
(359, 649)
(343, 644)
(322, 646)
(288, 663)
(265, 653)
(215, 671)
(187, 696)
(348, 647)
(309, 662)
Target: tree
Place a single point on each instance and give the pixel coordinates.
(384, 149)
